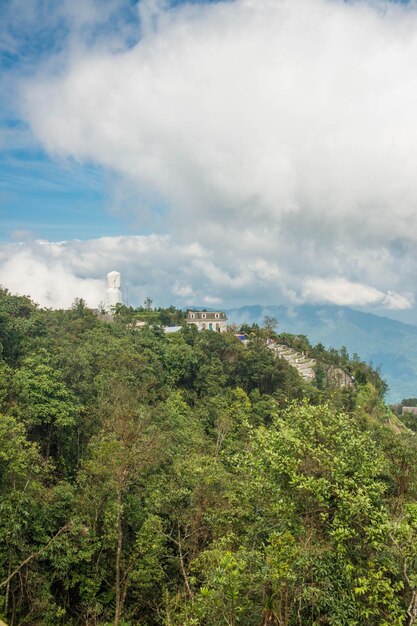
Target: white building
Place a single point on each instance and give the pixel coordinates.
(208, 320)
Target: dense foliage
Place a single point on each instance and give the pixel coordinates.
(188, 480)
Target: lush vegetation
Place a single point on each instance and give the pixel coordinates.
(163, 316)
(186, 479)
(408, 418)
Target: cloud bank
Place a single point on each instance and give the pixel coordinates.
(277, 136)
(54, 274)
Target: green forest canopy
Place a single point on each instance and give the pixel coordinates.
(186, 479)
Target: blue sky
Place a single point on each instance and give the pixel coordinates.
(215, 152)
(42, 197)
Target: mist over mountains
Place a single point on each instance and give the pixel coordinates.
(389, 344)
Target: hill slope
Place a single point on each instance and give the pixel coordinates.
(182, 479)
(387, 343)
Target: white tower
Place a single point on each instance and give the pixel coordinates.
(113, 293)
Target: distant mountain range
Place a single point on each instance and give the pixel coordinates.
(388, 344)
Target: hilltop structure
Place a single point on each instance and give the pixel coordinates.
(410, 410)
(208, 320)
(113, 293)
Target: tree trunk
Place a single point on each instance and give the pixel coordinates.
(118, 556)
(48, 442)
(412, 609)
(6, 601)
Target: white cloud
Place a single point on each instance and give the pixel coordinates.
(278, 135)
(211, 300)
(55, 273)
(52, 284)
(345, 293)
(182, 291)
(271, 107)
(397, 301)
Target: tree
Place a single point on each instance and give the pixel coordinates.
(270, 323)
(129, 443)
(23, 493)
(44, 403)
(148, 303)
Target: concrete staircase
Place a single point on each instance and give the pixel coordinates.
(305, 365)
(302, 363)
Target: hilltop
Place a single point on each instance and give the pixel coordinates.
(386, 343)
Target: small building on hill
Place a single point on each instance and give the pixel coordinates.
(410, 410)
(208, 320)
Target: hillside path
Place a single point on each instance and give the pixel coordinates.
(305, 365)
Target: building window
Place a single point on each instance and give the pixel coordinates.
(203, 315)
(216, 316)
(203, 326)
(192, 315)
